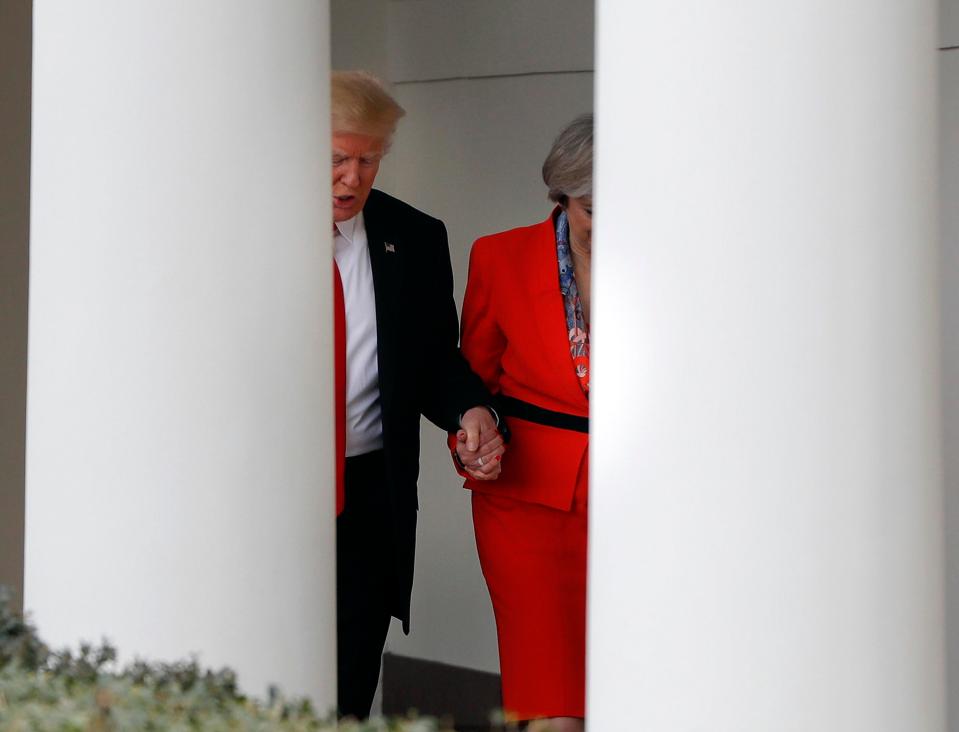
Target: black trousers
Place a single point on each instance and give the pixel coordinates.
(364, 582)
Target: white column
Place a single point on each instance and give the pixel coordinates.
(179, 489)
(949, 136)
(766, 500)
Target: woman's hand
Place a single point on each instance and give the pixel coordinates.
(479, 445)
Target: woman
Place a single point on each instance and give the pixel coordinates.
(526, 333)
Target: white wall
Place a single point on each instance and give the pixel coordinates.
(486, 86)
(358, 35)
(179, 472)
(443, 39)
(948, 23)
(949, 135)
(766, 485)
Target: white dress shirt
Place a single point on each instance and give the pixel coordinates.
(364, 427)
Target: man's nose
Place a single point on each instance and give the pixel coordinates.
(350, 173)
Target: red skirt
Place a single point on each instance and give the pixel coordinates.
(534, 561)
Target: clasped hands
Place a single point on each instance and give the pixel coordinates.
(479, 445)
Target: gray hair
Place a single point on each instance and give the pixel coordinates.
(568, 169)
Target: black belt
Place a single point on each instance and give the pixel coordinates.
(512, 407)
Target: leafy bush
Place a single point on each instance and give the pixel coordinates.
(42, 690)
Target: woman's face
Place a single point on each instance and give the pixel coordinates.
(579, 211)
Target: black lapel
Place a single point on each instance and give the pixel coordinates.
(385, 263)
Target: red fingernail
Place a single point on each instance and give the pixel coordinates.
(498, 457)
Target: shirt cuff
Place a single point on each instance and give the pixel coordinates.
(489, 409)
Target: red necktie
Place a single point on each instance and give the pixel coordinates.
(339, 361)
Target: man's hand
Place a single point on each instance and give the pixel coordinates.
(479, 445)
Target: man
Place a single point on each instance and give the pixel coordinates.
(402, 361)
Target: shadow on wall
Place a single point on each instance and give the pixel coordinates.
(440, 690)
(15, 76)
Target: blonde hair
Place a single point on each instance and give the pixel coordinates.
(361, 105)
(568, 170)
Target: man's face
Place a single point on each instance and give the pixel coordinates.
(356, 160)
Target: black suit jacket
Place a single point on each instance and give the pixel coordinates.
(421, 370)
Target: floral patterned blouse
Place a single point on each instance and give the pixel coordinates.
(575, 322)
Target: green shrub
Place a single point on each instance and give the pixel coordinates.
(42, 690)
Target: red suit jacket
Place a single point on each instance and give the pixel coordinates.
(514, 337)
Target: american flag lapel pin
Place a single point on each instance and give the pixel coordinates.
(389, 247)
